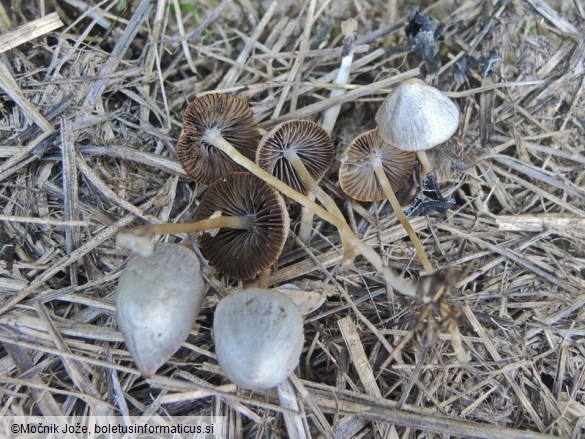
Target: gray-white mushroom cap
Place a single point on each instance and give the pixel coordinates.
(258, 337)
(158, 300)
(416, 116)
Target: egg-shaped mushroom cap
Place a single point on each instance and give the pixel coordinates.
(357, 177)
(258, 337)
(240, 253)
(234, 120)
(311, 143)
(157, 301)
(416, 116)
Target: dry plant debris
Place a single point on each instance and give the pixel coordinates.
(92, 96)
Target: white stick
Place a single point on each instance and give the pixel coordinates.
(348, 28)
(292, 417)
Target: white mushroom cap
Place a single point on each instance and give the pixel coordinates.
(258, 337)
(416, 116)
(158, 299)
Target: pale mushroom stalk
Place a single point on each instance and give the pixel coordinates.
(264, 279)
(306, 222)
(403, 286)
(387, 188)
(220, 222)
(138, 239)
(425, 162)
(320, 194)
(310, 182)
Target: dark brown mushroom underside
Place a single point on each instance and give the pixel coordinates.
(312, 144)
(233, 118)
(356, 174)
(242, 254)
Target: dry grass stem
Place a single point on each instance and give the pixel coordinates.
(30, 31)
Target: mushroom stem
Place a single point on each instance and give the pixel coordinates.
(298, 165)
(306, 228)
(403, 286)
(387, 188)
(425, 162)
(264, 279)
(220, 222)
(311, 184)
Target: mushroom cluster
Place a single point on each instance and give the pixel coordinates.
(244, 224)
(413, 118)
(210, 134)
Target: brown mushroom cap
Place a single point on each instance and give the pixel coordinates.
(311, 143)
(242, 254)
(357, 177)
(233, 118)
(416, 116)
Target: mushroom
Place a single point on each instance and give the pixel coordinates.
(243, 253)
(248, 221)
(416, 117)
(366, 153)
(299, 153)
(212, 137)
(258, 337)
(371, 170)
(231, 117)
(158, 299)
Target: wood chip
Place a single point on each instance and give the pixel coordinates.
(30, 31)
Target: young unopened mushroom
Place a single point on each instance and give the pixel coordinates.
(228, 115)
(258, 337)
(248, 221)
(158, 299)
(213, 137)
(371, 170)
(299, 152)
(416, 117)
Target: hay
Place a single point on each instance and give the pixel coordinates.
(91, 108)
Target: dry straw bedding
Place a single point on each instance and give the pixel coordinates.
(92, 96)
